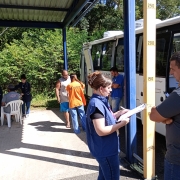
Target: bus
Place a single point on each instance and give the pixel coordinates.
(104, 53)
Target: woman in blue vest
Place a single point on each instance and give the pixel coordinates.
(25, 88)
(101, 128)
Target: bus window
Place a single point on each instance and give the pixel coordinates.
(119, 58)
(176, 47)
(162, 49)
(176, 42)
(106, 56)
(139, 54)
(96, 53)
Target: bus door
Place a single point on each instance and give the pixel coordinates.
(88, 69)
(82, 68)
(162, 52)
(119, 61)
(172, 84)
(139, 75)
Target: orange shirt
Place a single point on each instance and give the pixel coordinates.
(76, 95)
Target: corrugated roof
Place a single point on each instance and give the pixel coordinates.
(43, 13)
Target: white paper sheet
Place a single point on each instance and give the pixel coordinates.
(133, 111)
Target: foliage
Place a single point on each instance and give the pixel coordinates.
(165, 9)
(43, 101)
(8, 34)
(102, 18)
(39, 54)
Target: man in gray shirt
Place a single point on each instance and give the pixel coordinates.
(10, 96)
(168, 112)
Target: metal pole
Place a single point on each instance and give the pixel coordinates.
(65, 49)
(130, 75)
(149, 55)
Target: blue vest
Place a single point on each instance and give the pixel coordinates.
(101, 146)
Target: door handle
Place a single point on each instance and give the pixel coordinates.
(161, 99)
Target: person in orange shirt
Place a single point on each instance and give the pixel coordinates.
(77, 101)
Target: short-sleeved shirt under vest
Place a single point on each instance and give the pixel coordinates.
(62, 92)
(170, 108)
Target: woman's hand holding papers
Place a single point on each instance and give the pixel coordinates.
(125, 121)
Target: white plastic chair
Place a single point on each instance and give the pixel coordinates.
(16, 110)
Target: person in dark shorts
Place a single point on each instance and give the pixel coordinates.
(168, 112)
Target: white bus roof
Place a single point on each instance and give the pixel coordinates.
(112, 33)
(160, 24)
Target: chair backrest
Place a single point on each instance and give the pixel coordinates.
(15, 106)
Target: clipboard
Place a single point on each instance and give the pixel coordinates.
(132, 112)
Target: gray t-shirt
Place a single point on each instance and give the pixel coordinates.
(170, 108)
(10, 96)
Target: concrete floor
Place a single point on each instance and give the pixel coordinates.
(44, 149)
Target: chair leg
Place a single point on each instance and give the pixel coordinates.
(16, 117)
(8, 119)
(20, 118)
(2, 119)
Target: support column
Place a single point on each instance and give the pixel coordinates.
(65, 49)
(130, 75)
(149, 55)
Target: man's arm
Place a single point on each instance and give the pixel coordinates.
(114, 85)
(167, 109)
(155, 116)
(119, 82)
(57, 88)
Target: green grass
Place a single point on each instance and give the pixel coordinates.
(43, 101)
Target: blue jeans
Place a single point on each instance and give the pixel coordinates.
(109, 168)
(74, 117)
(26, 105)
(171, 171)
(115, 103)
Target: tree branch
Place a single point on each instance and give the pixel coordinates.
(4, 31)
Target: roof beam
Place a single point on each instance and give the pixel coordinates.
(87, 9)
(76, 7)
(33, 7)
(31, 24)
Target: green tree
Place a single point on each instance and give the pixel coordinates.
(39, 54)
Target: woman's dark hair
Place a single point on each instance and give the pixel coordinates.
(114, 69)
(97, 80)
(176, 57)
(72, 76)
(23, 76)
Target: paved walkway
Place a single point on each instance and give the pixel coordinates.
(44, 149)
